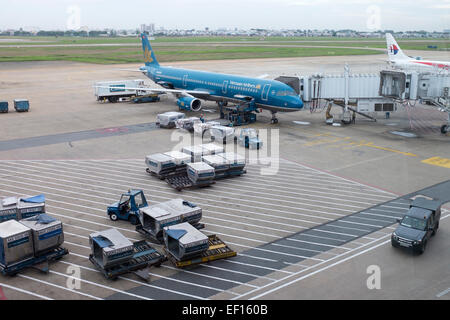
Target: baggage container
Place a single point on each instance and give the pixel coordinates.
(180, 158)
(196, 152)
(219, 163)
(21, 105)
(159, 163)
(47, 233)
(212, 148)
(236, 161)
(200, 171)
(155, 217)
(29, 209)
(8, 209)
(187, 123)
(3, 106)
(168, 119)
(110, 248)
(222, 134)
(16, 243)
(183, 241)
(201, 128)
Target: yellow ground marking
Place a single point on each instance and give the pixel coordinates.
(438, 161)
(371, 145)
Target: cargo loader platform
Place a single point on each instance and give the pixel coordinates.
(217, 250)
(164, 175)
(181, 181)
(144, 257)
(40, 263)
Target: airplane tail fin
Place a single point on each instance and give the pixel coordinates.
(149, 55)
(394, 51)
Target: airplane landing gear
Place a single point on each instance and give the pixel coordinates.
(274, 119)
(446, 127)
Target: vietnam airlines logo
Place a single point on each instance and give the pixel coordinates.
(393, 49)
(258, 86)
(148, 55)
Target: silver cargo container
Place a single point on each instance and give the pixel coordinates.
(236, 161)
(47, 233)
(16, 243)
(110, 248)
(196, 152)
(8, 209)
(200, 171)
(212, 148)
(219, 163)
(29, 209)
(159, 163)
(183, 241)
(168, 119)
(178, 157)
(155, 217)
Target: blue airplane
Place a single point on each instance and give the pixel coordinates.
(189, 86)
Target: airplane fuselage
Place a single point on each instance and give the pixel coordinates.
(422, 65)
(267, 94)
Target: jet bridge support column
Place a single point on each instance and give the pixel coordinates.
(346, 117)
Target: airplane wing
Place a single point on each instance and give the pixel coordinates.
(134, 70)
(163, 90)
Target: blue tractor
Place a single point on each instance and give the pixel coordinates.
(128, 206)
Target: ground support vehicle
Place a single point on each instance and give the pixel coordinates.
(217, 249)
(127, 208)
(418, 225)
(40, 263)
(144, 256)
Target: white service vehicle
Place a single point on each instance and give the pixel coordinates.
(115, 90)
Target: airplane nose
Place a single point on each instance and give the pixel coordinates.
(296, 102)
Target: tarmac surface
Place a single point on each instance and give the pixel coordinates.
(306, 224)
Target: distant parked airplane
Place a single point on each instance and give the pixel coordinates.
(400, 60)
(189, 86)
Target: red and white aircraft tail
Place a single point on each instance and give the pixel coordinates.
(401, 61)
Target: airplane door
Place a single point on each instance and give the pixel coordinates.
(265, 92)
(225, 86)
(185, 80)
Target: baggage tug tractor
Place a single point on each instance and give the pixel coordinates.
(127, 208)
(418, 225)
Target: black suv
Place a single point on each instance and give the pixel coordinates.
(418, 225)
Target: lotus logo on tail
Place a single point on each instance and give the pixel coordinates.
(393, 49)
(148, 56)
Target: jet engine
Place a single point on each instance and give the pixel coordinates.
(189, 103)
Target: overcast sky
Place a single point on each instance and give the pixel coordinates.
(364, 15)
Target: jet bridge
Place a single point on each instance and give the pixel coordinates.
(369, 94)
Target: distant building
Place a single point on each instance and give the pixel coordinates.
(150, 28)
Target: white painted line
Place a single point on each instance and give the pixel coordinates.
(358, 183)
(370, 248)
(208, 276)
(60, 287)
(127, 279)
(443, 293)
(256, 266)
(319, 244)
(251, 206)
(24, 291)
(285, 191)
